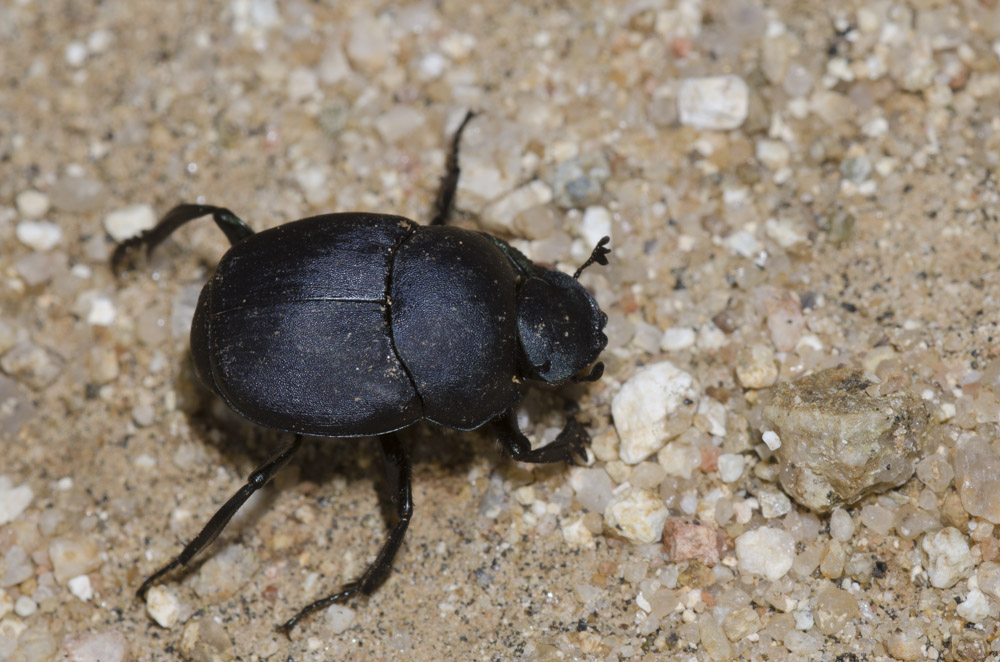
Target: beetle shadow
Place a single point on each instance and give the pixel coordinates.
(433, 449)
(244, 446)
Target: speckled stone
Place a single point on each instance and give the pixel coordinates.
(839, 441)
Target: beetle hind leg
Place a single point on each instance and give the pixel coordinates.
(445, 199)
(258, 479)
(234, 229)
(571, 442)
(399, 475)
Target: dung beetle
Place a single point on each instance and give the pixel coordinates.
(359, 324)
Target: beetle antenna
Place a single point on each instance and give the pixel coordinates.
(594, 374)
(598, 255)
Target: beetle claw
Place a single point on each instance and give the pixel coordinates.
(123, 258)
(574, 439)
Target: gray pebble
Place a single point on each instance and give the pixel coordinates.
(205, 639)
(35, 367)
(77, 194)
(17, 567)
(17, 408)
(224, 573)
(579, 181)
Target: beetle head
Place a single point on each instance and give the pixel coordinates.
(560, 325)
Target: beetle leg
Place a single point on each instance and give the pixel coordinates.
(258, 479)
(570, 443)
(397, 467)
(449, 182)
(235, 230)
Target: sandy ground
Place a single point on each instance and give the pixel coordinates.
(850, 176)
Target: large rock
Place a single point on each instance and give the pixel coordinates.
(840, 440)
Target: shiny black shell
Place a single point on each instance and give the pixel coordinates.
(360, 324)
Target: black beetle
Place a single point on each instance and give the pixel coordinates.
(359, 324)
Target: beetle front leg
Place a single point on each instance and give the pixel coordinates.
(571, 442)
(234, 229)
(399, 475)
(258, 479)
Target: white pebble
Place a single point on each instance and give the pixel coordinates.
(711, 338)
(499, 214)
(143, 415)
(785, 232)
(948, 557)
(743, 510)
(756, 366)
(80, 587)
(72, 556)
(577, 534)
(432, 66)
(730, 467)
(742, 243)
(313, 181)
(767, 552)
(144, 461)
(679, 458)
(99, 41)
(39, 235)
(162, 606)
(771, 439)
(458, 45)
(875, 127)
(76, 53)
(868, 20)
(774, 504)
(107, 646)
(595, 224)
(593, 487)
(803, 619)
(333, 66)
(643, 603)
(254, 15)
(25, 606)
(639, 516)
(264, 13)
(713, 103)
(399, 122)
(13, 500)
(368, 44)
(127, 222)
(975, 608)
(32, 204)
(339, 618)
(773, 153)
(677, 338)
(713, 412)
(102, 312)
(645, 405)
(841, 525)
